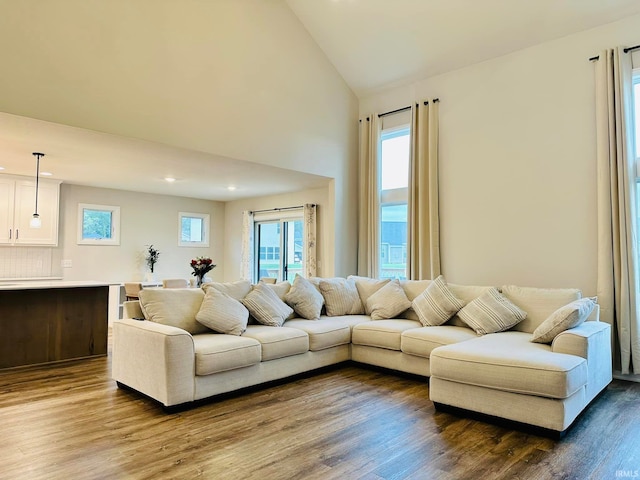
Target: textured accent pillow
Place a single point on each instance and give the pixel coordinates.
(569, 316)
(491, 312)
(413, 288)
(237, 290)
(388, 302)
(266, 307)
(176, 307)
(222, 313)
(436, 304)
(366, 287)
(304, 298)
(341, 296)
(281, 288)
(539, 303)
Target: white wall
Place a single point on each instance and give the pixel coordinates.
(145, 219)
(238, 78)
(233, 227)
(517, 161)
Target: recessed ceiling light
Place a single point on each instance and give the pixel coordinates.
(170, 179)
(231, 188)
(1, 168)
(46, 174)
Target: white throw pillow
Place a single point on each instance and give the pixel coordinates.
(237, 290)
(366, 287)
(176, 307)
(304, 298)
(281, 288)
(436, 304)
(413, 288)
(388, 302)
(341, 296)
(569, 316)
(222, 313)
(266, 307)
(539, 303)
(491, 312)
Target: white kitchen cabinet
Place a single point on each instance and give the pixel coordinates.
(17, 205)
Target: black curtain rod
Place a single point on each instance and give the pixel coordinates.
(626, 50)
(435, 100)
(280, 209)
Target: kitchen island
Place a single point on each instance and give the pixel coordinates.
(51, 321)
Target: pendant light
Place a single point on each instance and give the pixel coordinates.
(35, 221)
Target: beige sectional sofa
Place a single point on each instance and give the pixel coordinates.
(502, 374)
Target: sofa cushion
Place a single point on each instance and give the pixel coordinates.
(388, 302)
(237, 290)
(421, 341)
(218, 353)
(278, 342)
(491, 312)
(569, 316)
(509, 361)
(223, 314)
(436, 304)
(304, 298)
(266, 307)
(539, 303)
(413, 288)
(466, 293)
(341, 297)
(176, 307)
(327, 333)
(382, 333)
(366, 287)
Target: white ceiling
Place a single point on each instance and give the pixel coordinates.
(378, 43)
(372, 43)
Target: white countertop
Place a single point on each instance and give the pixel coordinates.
(30, 285)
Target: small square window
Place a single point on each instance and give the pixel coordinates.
(98, 224)
(193, 229)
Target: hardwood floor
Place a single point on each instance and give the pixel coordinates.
(70, 421)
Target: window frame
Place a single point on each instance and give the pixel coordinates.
(393, 196)
(115, 224)
(206, 222)
(282, 219)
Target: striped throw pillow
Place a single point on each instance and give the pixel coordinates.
(341, 297)
(491, 312)
(222, 313)
(266, 307)
(436, 304)
(388, 302)
(304, 298)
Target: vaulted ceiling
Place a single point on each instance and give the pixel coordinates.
(373, 44)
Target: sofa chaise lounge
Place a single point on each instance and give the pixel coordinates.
(163, 352)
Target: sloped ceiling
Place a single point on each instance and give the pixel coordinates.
(379, 43)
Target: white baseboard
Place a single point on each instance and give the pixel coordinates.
(628, 377)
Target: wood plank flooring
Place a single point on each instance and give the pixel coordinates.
(70, 421)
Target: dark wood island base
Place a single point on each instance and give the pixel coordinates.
(42, 325)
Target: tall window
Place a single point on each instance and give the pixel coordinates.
(394, 194)
(278, 245)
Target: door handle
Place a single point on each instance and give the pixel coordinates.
(10, 234)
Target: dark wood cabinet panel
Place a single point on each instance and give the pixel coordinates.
(52, 324)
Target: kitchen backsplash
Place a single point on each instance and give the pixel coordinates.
(25, 262)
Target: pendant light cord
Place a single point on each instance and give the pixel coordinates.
(38, 155)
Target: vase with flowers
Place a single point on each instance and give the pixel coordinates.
(201, 266)
(152, 258)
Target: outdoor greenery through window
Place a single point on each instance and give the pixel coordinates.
(98, 224)
(279, 245)
(394, 183)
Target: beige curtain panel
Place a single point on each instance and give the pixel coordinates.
(423, 226)
(617, 239)
(368, 200)
(246, 262)
(309, 261)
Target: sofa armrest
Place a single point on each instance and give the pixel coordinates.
(154, 359)
(592, 341)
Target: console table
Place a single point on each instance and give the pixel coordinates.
(44, 322)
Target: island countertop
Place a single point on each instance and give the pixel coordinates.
(33, 285)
